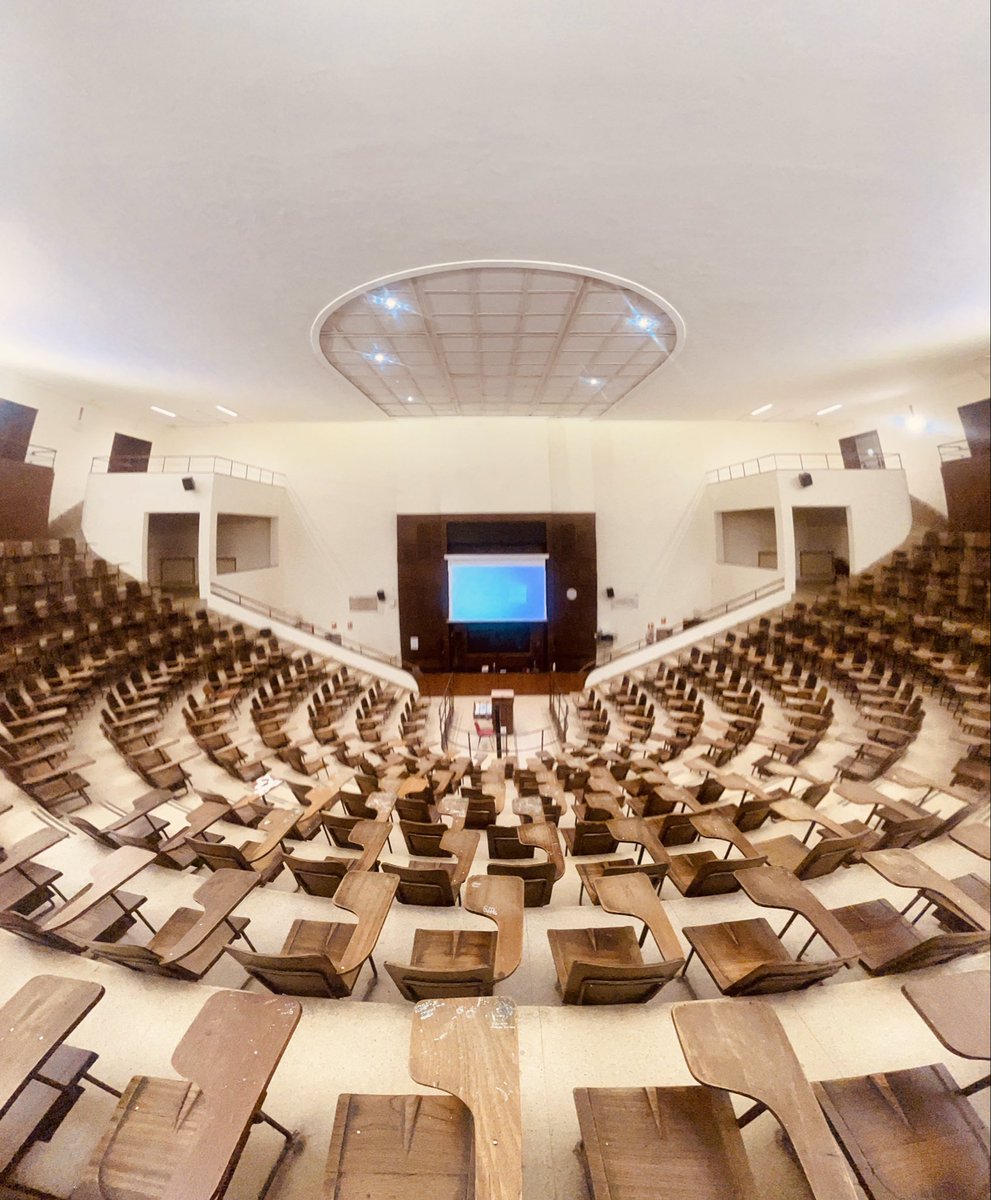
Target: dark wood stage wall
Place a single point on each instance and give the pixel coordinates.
(566, 638)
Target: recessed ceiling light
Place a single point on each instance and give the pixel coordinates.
(164, 411)
(390, 302)
(228, 412)
(410, 399)
(832, 408)
(594, 382)
(380, 357)
(763, 409)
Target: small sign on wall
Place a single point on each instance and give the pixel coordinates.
(626, 602)
(362, 604)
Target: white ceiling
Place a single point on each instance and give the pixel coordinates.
(497, 340)
(186, 187)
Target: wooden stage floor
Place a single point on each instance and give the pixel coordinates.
(523, 683)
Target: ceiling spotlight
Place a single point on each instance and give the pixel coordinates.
(824, 411)
(228, 412)
(913, 422)
(410, 399)
(763, 409)
(163, 411)
(594, 382)
(390, 303)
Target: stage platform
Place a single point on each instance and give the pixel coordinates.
(480, 683)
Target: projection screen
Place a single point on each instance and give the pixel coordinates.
(496, 588)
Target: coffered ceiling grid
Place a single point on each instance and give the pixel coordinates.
(497, 341)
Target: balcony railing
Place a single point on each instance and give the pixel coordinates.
(718, 610)
(797, 462)
(954, 451)
(297, 622)
(186, 464)
(35, 456)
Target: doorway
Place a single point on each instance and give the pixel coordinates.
(862, 452)
(822, 544)
(173, 552)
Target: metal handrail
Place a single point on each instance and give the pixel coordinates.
(35, 456)
(445, 713)
(809, 461)
(717, 610)
(557, 704)
(954, 451)
(297, 622)
(187, 464)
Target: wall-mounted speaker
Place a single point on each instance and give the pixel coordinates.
(610, 592)
(805, 479)
(380, 594)
(188, 483)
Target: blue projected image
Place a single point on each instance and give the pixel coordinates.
(497, 592)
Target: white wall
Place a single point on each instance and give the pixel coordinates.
(77, 426)
(117, 507)
(347, 481)
(918, 450)
(645, 480)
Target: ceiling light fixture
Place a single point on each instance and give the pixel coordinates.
(914, 423)
(594, 382)
(228, 412)
(824, 411)
(410, 399)
(163, 411)
(763, 409)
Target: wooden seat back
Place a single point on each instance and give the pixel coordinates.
(538, 878)
(717, 876)
(428, 886)
(219, 856)
(603, 983)
(828, 854)
(503, 842)
(338, 827)
(318, 876)
(424, 838)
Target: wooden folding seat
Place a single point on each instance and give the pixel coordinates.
(184, 1137)
(908, 1134)
(322, 877)
(429, 1147)
(437, 884)
(504, 843)
(192, 939)
(538, 877)
(220, 856)
(888, 943)
(747, 958)
(321, 958)
(811, 862)
(701, 873)
(589, 874)
(604, 965)
(668, 1143)
(424, 838)
(460, 962)
(26, 885)
(588, 837)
